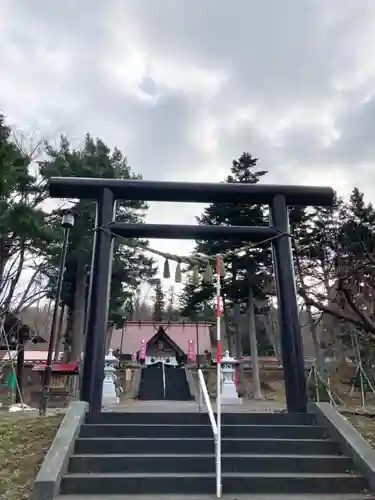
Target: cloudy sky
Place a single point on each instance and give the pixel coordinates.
(183, 87)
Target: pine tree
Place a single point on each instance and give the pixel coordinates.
(250, 268)
(26, 230)
(130, 264)
(195, 303)
(315, 238)
(159, 303)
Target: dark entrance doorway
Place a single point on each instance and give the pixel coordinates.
(151, 387)
(160, 381)
(177, 387)
(278, 198)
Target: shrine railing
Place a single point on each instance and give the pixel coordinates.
(215, 430)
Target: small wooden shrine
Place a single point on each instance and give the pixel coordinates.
(64, 377)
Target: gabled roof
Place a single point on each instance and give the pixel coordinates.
(163, 335)
(128, 341)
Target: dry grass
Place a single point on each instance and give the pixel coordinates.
(24, 440)
(365, 426)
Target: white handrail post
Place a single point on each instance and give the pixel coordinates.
(200, 398)
(204, 391)
(164, 388)
(208, 402)
(218, 377)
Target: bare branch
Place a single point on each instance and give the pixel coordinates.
(366, 321)
(312, 324)
(367, 253)
(31, 300)
(26, 292)
(16, 279)
(336, 313)
(10, 274)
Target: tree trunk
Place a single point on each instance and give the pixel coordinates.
(319, 359)
(4, 257)
(237, 330)
(271, 328)
(228, 334)
(79, 313)
(316, 342)
(15, 279)
(257, 392)
(3, 261)
(234, 344)
(237, 334)
(68, 334)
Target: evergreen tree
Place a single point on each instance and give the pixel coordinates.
(315, 238)
(159, 303)
(195, 303)
(172, 311)
(250, 268)
(130, 264)
(26, 230)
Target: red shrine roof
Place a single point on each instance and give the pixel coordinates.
(58, 367)
(129, 340)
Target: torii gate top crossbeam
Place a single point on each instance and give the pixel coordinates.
(91, 188)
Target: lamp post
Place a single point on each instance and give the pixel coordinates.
(67, 223)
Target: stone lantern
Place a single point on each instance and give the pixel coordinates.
(229, 394)
(109, 385)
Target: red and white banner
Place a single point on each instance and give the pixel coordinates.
(142, 350)
(134, 357)
(191, 354)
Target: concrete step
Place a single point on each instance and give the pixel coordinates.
(204, 445)
(205, 483)
(204, 431)
(206, 463)
(152, 418)
(341, 496)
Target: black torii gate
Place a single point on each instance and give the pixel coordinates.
(107, 191)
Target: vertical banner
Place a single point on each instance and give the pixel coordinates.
(191, 354)
(142, 350)
(134, 357)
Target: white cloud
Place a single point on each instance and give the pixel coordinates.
(185, 87)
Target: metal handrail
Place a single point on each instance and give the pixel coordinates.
(164, 382)
(204, 391)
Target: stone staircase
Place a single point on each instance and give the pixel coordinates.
(166, 454)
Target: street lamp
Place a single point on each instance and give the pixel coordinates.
(67, 223)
